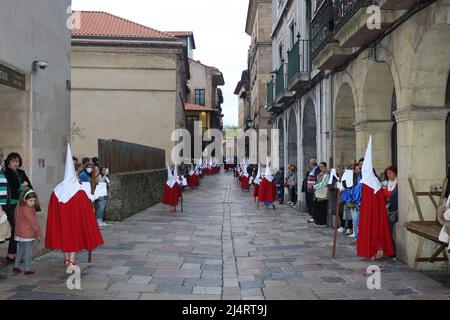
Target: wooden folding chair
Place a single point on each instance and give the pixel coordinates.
(428, 229)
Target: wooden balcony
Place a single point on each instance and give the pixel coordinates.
(351, 22)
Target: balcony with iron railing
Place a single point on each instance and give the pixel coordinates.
(326, 53)
(279, 80)
(322, 28)
(270, 93)
(283, 96)
(353, 18)
(299, 66)
(345, 10)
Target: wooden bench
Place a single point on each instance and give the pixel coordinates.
(428, 229)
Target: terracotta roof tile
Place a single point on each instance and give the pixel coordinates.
(194, 107)
(98, 23)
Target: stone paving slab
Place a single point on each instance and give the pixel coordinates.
(221, 247)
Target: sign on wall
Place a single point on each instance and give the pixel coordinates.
(12, 78)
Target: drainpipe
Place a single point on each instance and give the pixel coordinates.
(331, 144)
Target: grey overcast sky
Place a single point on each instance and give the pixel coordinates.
(218, 26)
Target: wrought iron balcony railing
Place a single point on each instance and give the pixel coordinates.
(280, 83)
(298, 59)
(322, 28)
(270, 93)
(346, 9)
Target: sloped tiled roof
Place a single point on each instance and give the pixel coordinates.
(103, 24)
(194, 107)
(209, 67)
(180, 33)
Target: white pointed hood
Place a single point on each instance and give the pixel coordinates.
(244, 169)
(268, 174)
(258, 174)
(170, 178)
(70, 185)
(368, 176)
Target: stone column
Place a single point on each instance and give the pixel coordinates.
(344, 141)
(421, 156)
(381, 135)
(286, 151)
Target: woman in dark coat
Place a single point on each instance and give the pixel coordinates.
(17, 182)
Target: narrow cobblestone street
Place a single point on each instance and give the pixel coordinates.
(220, 247)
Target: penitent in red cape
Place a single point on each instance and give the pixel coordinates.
(193, 180)
(245, 184)
(171, 195)
(71, 223)
(373, 233)
(71, 226)
(266, 191)
(171, 190)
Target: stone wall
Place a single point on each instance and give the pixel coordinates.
(133, 192)
(36, 121)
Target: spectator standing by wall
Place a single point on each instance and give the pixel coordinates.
(291, 182)
(100, 203)
(321, 197)
(309, 182)
(27, 230)
(17, 182)
(390, 192)
(279, 185)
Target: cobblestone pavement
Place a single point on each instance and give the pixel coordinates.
(221, 247)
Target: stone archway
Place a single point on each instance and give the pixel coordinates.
(344, 117)
(447, 123)
(421, 120)
(309, 141)
(292, 138)
(375, 115)
(281, 141)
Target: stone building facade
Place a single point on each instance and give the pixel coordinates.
(298, 96)
(35, 101)
(204, 91)
(130, 88)
(259, 27)
(242, 91)
(391, 82)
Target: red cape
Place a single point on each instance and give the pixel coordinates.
(193, 181)
(266, 191)
(245, 183)
(171, 195)
(255, 190)
(374, 232)
(71, 226)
